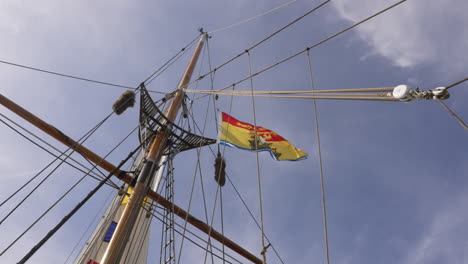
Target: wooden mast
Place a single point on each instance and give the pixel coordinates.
(125, 226)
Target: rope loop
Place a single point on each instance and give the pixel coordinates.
(264, 250)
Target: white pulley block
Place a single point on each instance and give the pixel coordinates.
(403, 93)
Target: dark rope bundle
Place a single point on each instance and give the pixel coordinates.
(220, 173)
(126, 100)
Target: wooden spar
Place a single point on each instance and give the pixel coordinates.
(356, 98)
(69, 142)
(385, 89)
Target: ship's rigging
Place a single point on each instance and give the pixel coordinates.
(153, 121)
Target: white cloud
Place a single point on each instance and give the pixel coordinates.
(414, 33)
(445, 237)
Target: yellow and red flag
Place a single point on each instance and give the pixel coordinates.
(238, 134)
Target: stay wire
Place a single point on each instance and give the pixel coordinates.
(241, 198)
(197, 169)
(191, 113)
(73, 150)
(448, 109)
(212, 75)
(209, 244)
(310, 47)
(95, 176)
(218, 186)
(77, 207)
(212, 222)
(452, 113)
(197, 166)
(265, 39)
(65, 194)
(65, 75)
(457, 83)
(257, 161)
(319, 150)
(189, 232)
(205, 206)
(146, 81)
(168, 64)
(331, 96)
(252, 18)
(222, 218)
(96, 81)
(85, 137)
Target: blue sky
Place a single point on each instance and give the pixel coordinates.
(394, 172)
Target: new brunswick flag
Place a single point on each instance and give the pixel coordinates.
(238, 134)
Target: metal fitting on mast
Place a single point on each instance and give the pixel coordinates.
(403, 93)
(406, 93)
(440, 93)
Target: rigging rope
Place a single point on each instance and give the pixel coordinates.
(457, 83)
(344, 91)
(452, 113)
(257, 162)
(222, 219)
(65, 75)
(238, 193)
(252, 18)
(77, 207)
(218, 186)
(353, 97)
(168, 65)
(66, 193)
(84, 138)
(94, 176)
(212, 76)
(191, 233)
(448, 109)
(307, 48)
(265, 39)
(197, 166)
(148, 81)
(73, 149)
(344, 95)
(319, 150)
